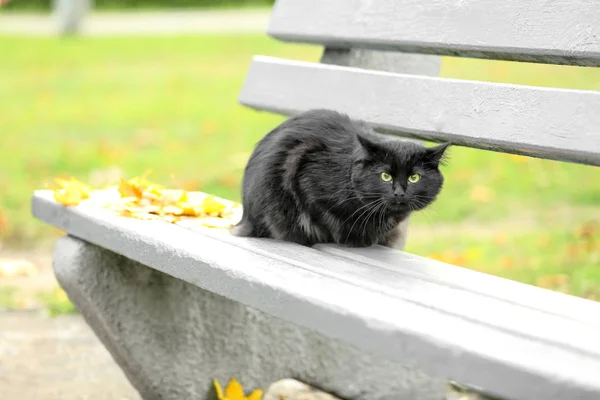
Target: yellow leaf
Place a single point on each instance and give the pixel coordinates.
(256, 395)
(218, 389)
(449, 257)
(481, 194)
(67, 197)
(518, 158)
(210, 205)
(175, 210)
(3, 223)
(141, 199)
(184, 197)
(71, 192)
(501, 238)
(213, 222)
(81, 187)
(552, 281)
(506, 262)
(61, 295)
(190, 210)
(129, 189)
(234, 391)
(17, 268)
(472, 253)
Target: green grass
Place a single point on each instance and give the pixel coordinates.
(45, 5)
(80, 106)
(52, 302)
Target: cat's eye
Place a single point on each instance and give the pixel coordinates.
(414, 178)
(386, 177)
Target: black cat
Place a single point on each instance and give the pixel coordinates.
(320, 177)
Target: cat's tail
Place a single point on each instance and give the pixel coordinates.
(241, 230)
(244, 228)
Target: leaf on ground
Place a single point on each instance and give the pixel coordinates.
(589, 233)
(235, 391)
(11, 268)
(449, 257)
(142, 199)
(506, 262)
(558, 282)
(218, 389)
(3, 222)
(518, 158)
(255, 395)
(501, 238)
(229, 181)
(482, 194)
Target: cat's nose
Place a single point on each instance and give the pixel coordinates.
(399, 196)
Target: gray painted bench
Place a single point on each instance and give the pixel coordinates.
(177, 306)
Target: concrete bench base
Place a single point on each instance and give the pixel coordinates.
(171, 337)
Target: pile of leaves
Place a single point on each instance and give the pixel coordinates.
(141, 199)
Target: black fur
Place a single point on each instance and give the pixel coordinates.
(316, 178)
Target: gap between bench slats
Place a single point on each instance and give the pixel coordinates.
(559, 32)
(548, 123)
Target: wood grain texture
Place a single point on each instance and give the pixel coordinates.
(548, 123)
(400, 308)
(558, 31)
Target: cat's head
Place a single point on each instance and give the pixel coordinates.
(402, 174)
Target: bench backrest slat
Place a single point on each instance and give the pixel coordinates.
(542, 122)
(561, 31)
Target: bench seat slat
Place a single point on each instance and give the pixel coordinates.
(501, 312)
(561, 32)
(509, 291)
(386, 311)
(549, 123)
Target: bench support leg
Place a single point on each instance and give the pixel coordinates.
(171, 337)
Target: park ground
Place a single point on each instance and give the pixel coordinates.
(98, 107)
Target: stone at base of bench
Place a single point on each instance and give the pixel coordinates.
(171, 337)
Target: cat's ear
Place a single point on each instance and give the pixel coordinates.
(437, 155)
(367, 144)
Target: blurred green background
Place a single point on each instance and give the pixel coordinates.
(99, 107)
(45, 5)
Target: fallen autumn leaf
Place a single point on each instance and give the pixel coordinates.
(141, 199)
(235, 391)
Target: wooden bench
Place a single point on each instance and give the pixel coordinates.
(176, 306)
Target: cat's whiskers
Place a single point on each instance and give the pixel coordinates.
(375, 203)
(346, 220)
(357, 210)
(359, 197)
(335, 193)
(423, 202)
(366, 219)
(381, 218)
(341, 201)
(374, 212)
